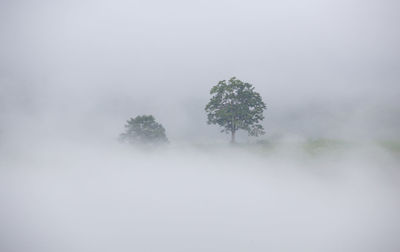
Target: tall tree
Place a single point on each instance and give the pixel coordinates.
(235, 105)
(142, 130)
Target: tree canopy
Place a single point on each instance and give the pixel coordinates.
(235, 105)
(142, 130)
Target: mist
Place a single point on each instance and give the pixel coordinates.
(324, 177)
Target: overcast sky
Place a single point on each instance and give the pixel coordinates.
(320, 66)
(72, 72)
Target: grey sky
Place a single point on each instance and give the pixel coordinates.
(72, 72)
(121, 58)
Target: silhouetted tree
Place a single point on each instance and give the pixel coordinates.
(142, 130)
(235, 105)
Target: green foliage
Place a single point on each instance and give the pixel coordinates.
(142, 130)
(235, 105)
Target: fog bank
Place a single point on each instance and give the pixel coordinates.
(323, 178)
(99, 198)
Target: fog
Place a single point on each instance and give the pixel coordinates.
(96, 198)
(312, 62)
(323, 178)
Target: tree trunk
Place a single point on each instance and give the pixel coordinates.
(233, 130)
(233, 136)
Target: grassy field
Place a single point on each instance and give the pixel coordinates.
(311, 148)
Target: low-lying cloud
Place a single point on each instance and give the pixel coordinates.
(99, 198)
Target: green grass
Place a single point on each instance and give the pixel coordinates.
(312, 147)
(392, 146)
(321, 145)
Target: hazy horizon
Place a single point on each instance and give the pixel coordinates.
(324, 177)
(324, 68)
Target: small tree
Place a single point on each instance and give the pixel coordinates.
(235, 105)
(142, 130)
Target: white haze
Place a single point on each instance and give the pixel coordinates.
(81, 197)
(322, 67)
(72, 72)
